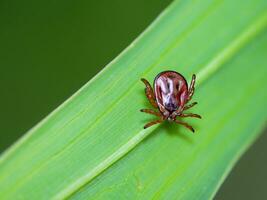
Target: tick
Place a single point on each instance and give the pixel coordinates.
(170, 97)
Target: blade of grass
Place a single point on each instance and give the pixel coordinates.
(204, 74)
(100, 124)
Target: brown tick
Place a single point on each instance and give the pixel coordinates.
(170, 96)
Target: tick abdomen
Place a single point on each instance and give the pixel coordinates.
(170, 90)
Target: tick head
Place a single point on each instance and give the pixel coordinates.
(170, 103)
(171, 106)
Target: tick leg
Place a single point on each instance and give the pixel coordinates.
(185, 125)
(150, 111)
(153, 123)
(191, 88)
(190, 105)
(190, 115)
(149, 93)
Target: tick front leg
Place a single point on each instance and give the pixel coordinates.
(153, 123)
(190, 115)
(191, 88)
(149, 93)
(150, 111)
(185, 125)
(190, 106)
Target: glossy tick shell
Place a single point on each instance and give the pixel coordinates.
(171, 91)
(170, 96)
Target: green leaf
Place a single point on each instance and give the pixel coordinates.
(94, 145)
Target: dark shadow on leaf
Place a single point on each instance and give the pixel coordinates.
(175, 130)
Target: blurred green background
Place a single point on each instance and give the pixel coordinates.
(49, 49)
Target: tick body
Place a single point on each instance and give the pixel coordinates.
(170, 96)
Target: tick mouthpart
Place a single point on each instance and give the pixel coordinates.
(171, 118)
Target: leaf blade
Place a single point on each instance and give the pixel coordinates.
(81, 122)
